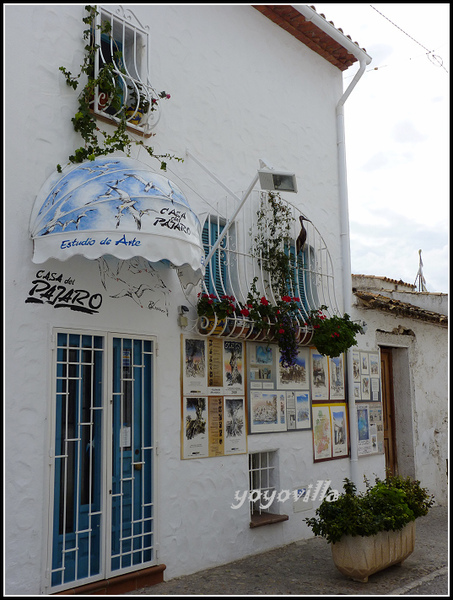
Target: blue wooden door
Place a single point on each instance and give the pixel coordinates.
(132, 450)
(103, 511)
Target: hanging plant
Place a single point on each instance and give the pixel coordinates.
(210, 306)
(98, 142)
(270, 245)
(332, 335)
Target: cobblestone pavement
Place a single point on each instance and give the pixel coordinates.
(306, 568)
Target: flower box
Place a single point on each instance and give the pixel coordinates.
(358, 557)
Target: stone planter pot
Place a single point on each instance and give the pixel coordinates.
(359, 557)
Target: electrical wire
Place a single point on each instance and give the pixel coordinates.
(433, 58)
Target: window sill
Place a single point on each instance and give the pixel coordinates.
(129, 127)
(258, 520)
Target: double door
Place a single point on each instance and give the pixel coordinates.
(102, 514)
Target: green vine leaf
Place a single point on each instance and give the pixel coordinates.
(98, 142)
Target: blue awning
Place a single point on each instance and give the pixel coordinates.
(118, 207)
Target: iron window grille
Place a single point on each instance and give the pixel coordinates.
(127, 49)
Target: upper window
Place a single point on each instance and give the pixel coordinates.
(123, 46)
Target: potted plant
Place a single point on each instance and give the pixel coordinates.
(332, 335)
(214, 311)
(98, 142)
(373, 530)
(141, 103)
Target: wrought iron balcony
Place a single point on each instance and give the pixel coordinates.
(243, 263)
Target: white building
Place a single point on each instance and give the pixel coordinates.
(128, 432)
(411, 330)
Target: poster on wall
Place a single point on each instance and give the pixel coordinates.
(319, 376)
(194, 366)
(261, 366)
(336, 378)
(267, 411)
(215, 364)
(296, 377)
(303, 410)
(233, 363)
(355, 366)
(216, 426)
(364, 430)
(322, 433)
(376, 420)
(338, 414)
(195, 419)
(235, 427)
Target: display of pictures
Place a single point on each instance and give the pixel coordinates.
(367, 376)
(330, 431)
(212, 366)
(225, 397)
(279, 398)
(213, 402)
(370, 428)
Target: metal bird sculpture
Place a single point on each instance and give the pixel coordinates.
(301, 238)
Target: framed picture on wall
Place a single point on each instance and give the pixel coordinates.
(319, 376)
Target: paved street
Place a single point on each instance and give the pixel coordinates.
(306, 568)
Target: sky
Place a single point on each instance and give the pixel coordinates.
(397, 139)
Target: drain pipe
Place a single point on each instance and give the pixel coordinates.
(364, 60)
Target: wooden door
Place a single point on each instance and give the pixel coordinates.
(388, 405)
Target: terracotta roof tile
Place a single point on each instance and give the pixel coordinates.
(402, 309)
(292, 21)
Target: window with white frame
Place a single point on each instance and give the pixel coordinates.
(263, 478)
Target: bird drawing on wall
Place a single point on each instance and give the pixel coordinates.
(302, 237)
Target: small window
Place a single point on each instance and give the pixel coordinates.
(124, 44)
(263, 489)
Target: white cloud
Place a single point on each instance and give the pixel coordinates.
(397, 140)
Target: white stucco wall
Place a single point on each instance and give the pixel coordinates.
(420, 380)
(241, 89)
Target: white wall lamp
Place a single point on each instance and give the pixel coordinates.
(277, 180)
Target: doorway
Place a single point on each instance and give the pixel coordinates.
(388, 409)
(102, 513)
